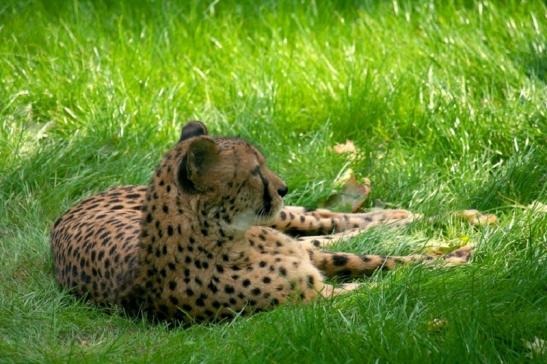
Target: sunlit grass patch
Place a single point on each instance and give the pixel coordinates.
(445, 101)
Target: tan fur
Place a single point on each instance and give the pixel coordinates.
(189, 246)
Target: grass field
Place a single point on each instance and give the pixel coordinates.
(446, 100)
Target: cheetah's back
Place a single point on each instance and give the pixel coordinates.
(95, 244)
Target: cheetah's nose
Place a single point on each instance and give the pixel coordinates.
(282, 190)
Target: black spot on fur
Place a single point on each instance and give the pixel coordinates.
(339, 260)
(213, 288)
(187, 308)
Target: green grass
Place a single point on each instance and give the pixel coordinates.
(446, 100)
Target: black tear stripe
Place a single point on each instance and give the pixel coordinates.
(266, 198)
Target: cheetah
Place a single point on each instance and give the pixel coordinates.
(208, 238)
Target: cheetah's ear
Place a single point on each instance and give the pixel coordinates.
(201, 155)
(193, 128)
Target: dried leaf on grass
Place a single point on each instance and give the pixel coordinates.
(475, 217)
(537, 347)
(436, 324)
(440, 247)
(346, 148)
(352, 194)
(537, 206)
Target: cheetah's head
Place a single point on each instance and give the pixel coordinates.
(228, 175)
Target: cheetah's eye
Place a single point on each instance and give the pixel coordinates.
(256, 171)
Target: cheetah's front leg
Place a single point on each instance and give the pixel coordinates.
(297, 221)
(321, 241)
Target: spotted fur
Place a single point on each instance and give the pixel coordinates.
(206, 239)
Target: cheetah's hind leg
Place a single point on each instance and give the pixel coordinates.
(348, 265)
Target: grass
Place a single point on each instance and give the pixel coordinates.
(445, 100)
